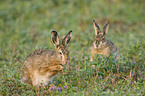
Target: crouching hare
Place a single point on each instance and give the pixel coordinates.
(101, 45)
(42, 65)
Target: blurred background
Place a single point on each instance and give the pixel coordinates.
(26, 25)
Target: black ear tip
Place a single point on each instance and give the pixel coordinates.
(70, 31)
(55, 32)
(93, 20)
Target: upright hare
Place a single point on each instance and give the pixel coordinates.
(42, 65)
(101, 45)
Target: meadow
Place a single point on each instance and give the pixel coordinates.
(26, 26)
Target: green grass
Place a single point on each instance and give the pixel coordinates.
(26, 25)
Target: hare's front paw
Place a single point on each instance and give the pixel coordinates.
(56, 68)
(59, 68)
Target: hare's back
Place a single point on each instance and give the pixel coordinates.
(112, 46)
(40, 52)
(39, 57)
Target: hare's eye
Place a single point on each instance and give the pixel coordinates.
(60, 53)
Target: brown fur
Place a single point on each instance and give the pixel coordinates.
(43, 64)
(101, 45)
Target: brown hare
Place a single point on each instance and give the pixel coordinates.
(42, 65)
(101, 45)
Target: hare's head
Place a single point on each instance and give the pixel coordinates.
(61, 47)
(100, 38)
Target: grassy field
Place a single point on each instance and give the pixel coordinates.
(26, 25)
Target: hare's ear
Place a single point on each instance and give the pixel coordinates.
(105, 28)
(55, 38)
(67, 38)
(96, 27)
